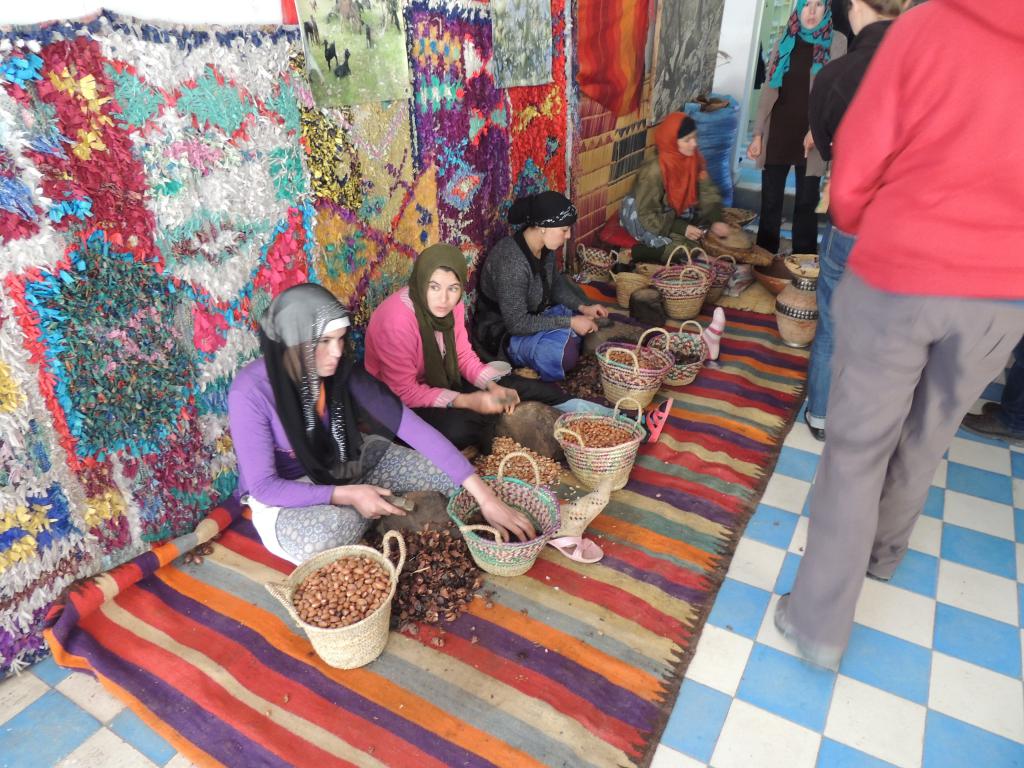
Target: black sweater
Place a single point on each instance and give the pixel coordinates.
(837, 83)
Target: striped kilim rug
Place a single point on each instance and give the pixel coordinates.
(569, 665)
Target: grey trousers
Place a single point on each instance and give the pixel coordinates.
(905, 370)
(305, 531)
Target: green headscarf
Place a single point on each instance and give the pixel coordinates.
(440, 371)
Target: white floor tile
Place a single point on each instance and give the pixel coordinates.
(977, 696)
(18, 692)
(1018, 493)
(753, 737)
(88, 694)
(800, 437)
(720, 659)
(940, 474)
(1020, 562)
(977, 591)
(876, 722)
(788, 493)
(666, 757)
(979, 514)
(798, 543)
(973, 454)
(756, 563)
(105, 748)
(896, 611)
(180, 761)
(927, 535)
(769, 635)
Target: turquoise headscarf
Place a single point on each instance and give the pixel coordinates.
(820, 37)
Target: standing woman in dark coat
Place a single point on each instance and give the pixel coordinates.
(808, 43)
(833, 91)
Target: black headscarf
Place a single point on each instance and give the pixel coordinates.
(547, 209)
(440, 371)
(289, 331)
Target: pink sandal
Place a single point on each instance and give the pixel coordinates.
(577, 548)
(656, 420)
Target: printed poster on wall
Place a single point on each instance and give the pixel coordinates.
(686, 48)
(521, 30)
(355, 50)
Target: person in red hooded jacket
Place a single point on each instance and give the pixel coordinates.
(929, 176)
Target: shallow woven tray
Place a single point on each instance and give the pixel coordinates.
(738, 217)
(755, 255)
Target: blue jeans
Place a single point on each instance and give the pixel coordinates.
(835, 250)
(1012, 401)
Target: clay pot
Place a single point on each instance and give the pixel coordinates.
(796, 312)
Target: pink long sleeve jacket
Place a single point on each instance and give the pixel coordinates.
(394, 354)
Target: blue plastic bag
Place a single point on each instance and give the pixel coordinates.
(716, 139)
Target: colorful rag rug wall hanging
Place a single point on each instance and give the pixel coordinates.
(686, 46)
(151, 201)
(539, 125)
(568, 665)
(461, 118)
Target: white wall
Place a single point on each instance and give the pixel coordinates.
(184, 11)
(741, 22)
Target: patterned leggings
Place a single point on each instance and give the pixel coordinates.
(304, 531)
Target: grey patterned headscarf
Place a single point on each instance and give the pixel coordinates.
(289, 332)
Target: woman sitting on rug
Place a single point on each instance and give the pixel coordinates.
(417, 344)
(673, 198)
(312, 480)
(528, 312)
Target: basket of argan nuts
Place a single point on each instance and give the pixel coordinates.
(342, 600)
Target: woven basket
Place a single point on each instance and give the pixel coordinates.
(495, 555)
(689, 350)
(357, 644)
(626, 283)
(601, 467)
(755, 255)
(595, 262)
(641, 378)
(721, 269)
(683, 289)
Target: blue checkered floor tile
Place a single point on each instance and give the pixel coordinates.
(932, 675)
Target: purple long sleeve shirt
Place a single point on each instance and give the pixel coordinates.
(267, 467)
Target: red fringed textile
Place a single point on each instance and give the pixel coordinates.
(288, 12)
(612, 37)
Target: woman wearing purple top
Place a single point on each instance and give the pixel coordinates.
(312, 479)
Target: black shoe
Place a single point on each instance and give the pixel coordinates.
(818, 433)
(988, 424)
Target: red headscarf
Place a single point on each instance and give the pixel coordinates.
(679, 172)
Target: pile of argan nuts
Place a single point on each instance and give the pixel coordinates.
(342, 593)
(600, 433)
(438, 581)
(518, 467)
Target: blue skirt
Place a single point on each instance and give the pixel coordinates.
(551, 354)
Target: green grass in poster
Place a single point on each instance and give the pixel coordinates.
(364, 41)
